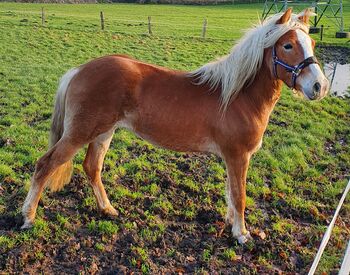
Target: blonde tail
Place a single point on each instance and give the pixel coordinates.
(63, 173)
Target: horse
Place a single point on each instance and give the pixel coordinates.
(222, 108)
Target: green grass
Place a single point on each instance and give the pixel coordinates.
(229, 254)
(167, 201)
(103, 227)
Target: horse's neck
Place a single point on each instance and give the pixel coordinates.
(265, 90)
(261, 96)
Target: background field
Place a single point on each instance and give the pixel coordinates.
(224, 21)
(171, 205)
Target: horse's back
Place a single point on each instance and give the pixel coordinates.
(119, 80)
(159, 104)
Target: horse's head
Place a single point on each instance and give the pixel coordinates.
(294, 62)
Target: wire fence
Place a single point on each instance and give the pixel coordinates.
(195, 27)
(221, 28)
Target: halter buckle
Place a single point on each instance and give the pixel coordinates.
(297, 71)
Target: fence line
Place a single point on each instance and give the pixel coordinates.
(135, 32)
(204, 30)
(92, 16)
(42, 17)
(155, 22)
(149, 25)
(201, 30)
(102, 21)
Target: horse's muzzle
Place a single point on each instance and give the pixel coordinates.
(318, 91)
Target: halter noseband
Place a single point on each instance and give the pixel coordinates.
(295, 70)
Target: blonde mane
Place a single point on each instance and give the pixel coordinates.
(239, 68)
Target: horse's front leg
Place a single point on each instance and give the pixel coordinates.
(237, 166)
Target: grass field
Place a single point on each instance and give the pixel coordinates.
(226, 22)
(171, 205)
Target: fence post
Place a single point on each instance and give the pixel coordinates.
(149, 25)
(42, 17)
(102, 21)
(321, 33)
(204, 30)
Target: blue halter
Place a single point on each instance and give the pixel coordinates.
(295, 70)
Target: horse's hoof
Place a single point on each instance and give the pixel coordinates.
(27, 225)
(242, 239)
(110, 211)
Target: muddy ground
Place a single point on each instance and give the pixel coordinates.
(338, 54)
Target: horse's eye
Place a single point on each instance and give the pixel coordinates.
(288, 46)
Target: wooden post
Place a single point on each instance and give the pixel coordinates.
(321, 32)
(204, 30)
(42, 17)
(102, 21)
(149, 25)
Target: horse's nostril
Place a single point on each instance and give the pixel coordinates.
(317, 88)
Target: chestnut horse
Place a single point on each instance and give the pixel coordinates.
(222, 108)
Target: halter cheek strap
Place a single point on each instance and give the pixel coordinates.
(295, 70)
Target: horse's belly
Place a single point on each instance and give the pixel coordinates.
(182, 137)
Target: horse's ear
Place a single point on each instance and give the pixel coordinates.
(304, 16)
(285, 17)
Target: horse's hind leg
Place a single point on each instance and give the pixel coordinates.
(60, 153)
(93, 166)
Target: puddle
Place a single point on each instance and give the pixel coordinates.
(339, 77)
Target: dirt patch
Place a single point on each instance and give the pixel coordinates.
(329, 54)
(185, 245)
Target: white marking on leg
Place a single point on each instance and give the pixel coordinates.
(230, 207)
(27, 210)
(29, 199)
(238, 226)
